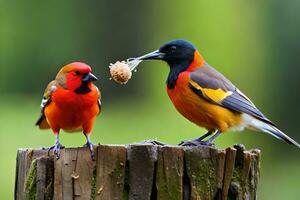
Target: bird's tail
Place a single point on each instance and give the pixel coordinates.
(272, 130)
(280, 135)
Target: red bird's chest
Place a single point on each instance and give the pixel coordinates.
(70, 111)
(69, 100)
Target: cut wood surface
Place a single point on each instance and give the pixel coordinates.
(138, 172)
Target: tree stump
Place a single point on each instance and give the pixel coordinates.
(138, 172)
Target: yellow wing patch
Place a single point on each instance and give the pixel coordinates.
(215, 95)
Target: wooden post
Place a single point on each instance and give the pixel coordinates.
(138, 172)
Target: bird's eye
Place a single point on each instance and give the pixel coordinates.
(173, 48)
(77, 73)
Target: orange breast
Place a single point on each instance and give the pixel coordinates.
(71, 111)
(198, 110)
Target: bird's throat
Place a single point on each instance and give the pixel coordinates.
(175, 70)
(173, 75)
(83, 89)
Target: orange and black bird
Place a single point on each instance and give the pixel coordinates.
(205, 97)
(71, 102)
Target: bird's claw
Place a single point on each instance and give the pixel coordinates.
(152, 142)
(91, 148)
(195, 143)
(56, 149)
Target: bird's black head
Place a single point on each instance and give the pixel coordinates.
(175, 52)
(179, 54)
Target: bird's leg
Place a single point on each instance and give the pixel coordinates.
(197, 141)
(200, 139)
(56, 147)
(209, 141)
(89, 144)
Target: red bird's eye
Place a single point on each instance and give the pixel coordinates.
(77, 73)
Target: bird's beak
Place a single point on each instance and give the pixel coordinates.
(89, 77)
(155, 55)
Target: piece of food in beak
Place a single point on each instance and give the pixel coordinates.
(120, 72)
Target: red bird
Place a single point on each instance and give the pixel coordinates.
(205, 97)
(71, 102)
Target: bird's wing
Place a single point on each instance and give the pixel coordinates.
(99, 99)
(214, 87)
(42, 122)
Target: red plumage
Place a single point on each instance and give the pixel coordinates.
(71, 102)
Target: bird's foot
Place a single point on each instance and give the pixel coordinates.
(195, 143)
(56, 149)
(90, 145)
(152, 142)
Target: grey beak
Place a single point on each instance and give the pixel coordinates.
(89, 77)
(155, 55)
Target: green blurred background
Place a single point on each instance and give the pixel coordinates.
(256, 44)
